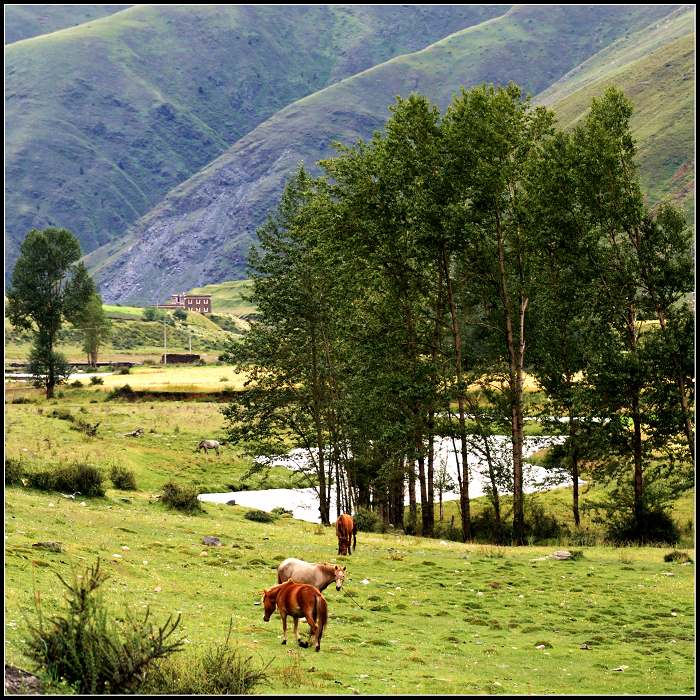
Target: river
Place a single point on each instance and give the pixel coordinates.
(304, 502)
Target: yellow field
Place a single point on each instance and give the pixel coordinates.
(176, 378)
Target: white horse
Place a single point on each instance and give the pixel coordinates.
(206, 445)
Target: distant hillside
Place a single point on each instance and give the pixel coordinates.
(25, 21)
(210, 220)
(656, 70)
(104, 118)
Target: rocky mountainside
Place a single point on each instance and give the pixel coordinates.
(201, 231)
(104, 118)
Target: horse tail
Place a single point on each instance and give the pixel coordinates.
(322, 616)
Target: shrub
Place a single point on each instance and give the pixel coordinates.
(675, 555)
(260, 516)
(283, 512)
(22, 399)
(221, 670)
(14, 471)
(76, 384)
(538, 524)
(181, 497)
(61, 414)
(180, 314)
(72, 478)
(122, 392)
(124, 370)
(94, 380)
(652, 526)
(366, 520)
(122, 478)
(88, 650)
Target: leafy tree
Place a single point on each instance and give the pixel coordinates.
(150, 313)
(48, 286)
(492, 134)
(96, 327)
(180, 314)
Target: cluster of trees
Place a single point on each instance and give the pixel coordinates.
(404, 294)
(50, 286)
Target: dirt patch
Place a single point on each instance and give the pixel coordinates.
(19, 682)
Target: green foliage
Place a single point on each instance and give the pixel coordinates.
(122, 392)
(677, 556)
(88, 650)
(221, 669)
(282, 512)
(79, 477)
(49, 286)
(150, 313)
(259, 516)
(95, 380)
(122, 478)
(14, 471)
(180, 497)
(366, 520)
(180, 314)
(651, 526)
(95, 326)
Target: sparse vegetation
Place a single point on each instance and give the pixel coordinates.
(87, 649)
(259, 516)
(77, 477)
(122, 478)
(181, 497)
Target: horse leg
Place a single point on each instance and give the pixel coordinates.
(300, 642)
(284, 626)
(312, 624)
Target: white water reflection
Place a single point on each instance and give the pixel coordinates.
(304, 502)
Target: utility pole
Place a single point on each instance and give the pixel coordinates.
(165, 343)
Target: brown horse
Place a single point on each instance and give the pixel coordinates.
(319, 575)
(298, 600)
(346, 531)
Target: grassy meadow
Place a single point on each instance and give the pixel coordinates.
(425, 614)
(418, 614)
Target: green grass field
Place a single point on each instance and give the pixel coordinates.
(467, 619)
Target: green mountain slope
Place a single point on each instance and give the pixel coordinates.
(25, 21)
(656, 69)
(104, 118)
(201, 232)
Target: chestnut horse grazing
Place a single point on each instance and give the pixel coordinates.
(346, 531)
(298, 600)
(319, 575)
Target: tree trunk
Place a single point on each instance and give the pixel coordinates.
(412, 506)
(637, 451)
(574, 466)
(457, 339)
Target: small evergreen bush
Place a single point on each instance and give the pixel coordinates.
(122, 478)
(14, 471)
(84, 647)
(366, 520)
(181, 497)
(78, 477)
(652, 526)
(260, 516)
(122, 392)
(94, 380)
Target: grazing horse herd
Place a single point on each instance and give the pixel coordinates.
(299, 585)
